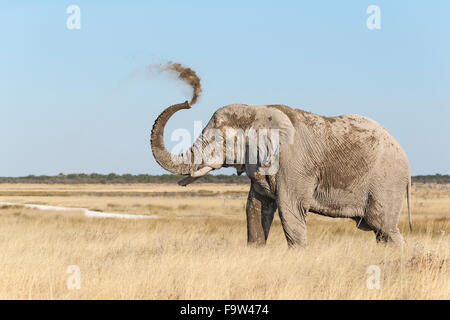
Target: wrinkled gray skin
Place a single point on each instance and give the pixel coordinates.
(346, 166)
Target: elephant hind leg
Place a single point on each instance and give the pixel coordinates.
(381, 237)
(391, 236)
(382, 215)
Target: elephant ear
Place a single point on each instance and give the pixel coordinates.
(271, 118)
(280, 132)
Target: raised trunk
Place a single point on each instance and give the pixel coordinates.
(170, 162)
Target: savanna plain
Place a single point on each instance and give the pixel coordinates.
(197, 248)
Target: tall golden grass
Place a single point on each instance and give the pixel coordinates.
(198, 250)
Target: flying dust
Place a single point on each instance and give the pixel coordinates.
(185, 74)
(189, 76)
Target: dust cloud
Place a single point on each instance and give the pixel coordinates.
(187, 75)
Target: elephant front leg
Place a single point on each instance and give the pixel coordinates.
(293, 220)
(260, 211)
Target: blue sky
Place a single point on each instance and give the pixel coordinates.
(68, 102)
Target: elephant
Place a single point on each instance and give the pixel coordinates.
(347, 166)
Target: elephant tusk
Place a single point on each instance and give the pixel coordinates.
(197, 174)
(201, 172)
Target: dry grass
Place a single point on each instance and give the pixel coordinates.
(198, 251)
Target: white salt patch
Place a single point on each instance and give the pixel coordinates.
(87, 213)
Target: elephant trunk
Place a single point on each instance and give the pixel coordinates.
(175, 163)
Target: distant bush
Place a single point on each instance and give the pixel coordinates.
(436, 178)
(82, 178)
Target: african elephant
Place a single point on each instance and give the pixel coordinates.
(345, 166)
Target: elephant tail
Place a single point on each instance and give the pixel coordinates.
(408, 200)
